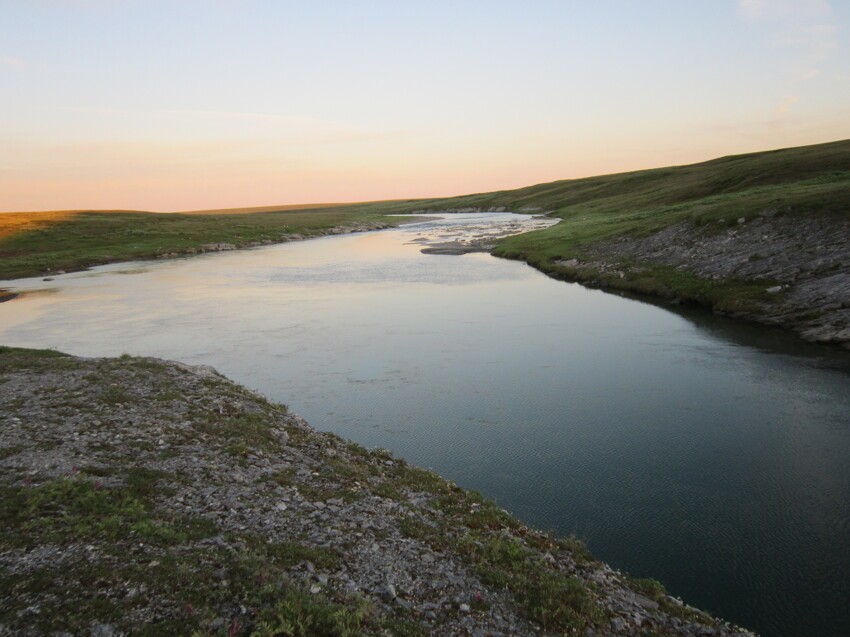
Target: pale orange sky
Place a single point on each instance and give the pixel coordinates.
(194, 105)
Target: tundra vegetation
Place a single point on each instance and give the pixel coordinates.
(145, 497)
(762, 236)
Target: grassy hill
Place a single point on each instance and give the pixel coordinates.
(39, 243)
(811, 182)
(807, 180)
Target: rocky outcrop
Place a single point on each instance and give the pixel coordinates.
(801, 264)
(146, 497)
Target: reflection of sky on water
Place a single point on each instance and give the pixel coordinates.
(711, 455)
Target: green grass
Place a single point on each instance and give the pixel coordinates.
(796, 181)
(72, 509)
(162, 554)
(14, 358)
(556, 601)
(240, 433)
(79, 240)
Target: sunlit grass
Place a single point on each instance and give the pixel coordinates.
(798, 181)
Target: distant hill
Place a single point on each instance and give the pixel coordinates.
(719, 233)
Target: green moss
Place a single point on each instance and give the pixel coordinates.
(17, 358)
(324, 491)
(116, 395)
(241, 433)
(349, 471)
(281, 477)
(577, 549)
(299, 614)
(655, 590)
(413, 528)
(74, 509)
(651, 588)
(8, 452)
(554, 600)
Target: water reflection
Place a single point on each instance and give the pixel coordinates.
(712, 455)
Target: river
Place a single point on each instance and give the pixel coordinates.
(710, 455)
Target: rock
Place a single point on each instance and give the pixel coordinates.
(808, 256)
(776, 289)
(388, 593)
(618, 624)
(218, 247)
(243, 496)
(103, 630)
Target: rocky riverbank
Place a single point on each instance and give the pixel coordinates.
(791, 272)
(148, 497)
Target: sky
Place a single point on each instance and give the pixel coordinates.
(198, 104)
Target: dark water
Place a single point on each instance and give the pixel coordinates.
(712, 456)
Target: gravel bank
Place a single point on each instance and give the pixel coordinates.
(146, 497)
(797, 268)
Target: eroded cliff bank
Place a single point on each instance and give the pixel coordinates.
(785, 271)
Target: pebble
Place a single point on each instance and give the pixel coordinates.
(103, 630)
(377, 560)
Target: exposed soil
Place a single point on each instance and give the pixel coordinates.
(803, 264)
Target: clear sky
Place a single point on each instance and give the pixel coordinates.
(190, 104)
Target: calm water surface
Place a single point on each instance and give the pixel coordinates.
(712, 456)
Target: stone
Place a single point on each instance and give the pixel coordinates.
(399, 575)
(388, 593)
(103, 630)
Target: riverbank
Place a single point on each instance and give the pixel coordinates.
(44, 244)
(147, 497)
(789, 273)
(763, 237)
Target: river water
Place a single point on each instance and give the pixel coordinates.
(712, 456)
